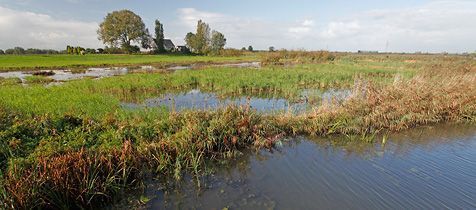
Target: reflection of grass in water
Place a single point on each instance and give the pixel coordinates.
(73, 145)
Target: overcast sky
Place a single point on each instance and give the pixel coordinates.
(337, 25)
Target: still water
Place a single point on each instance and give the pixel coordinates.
(65, 75)
(195, 99)
(429, 168)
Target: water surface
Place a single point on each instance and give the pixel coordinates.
(431, 168)
(68, 74)
(195, 99)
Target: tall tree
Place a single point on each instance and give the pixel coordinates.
(159, 36)
(202, 43)
(190, 41)
(202, 37)
(250, 48)
(122, 27)
(218, 41)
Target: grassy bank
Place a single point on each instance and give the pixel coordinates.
(99, 97)
(29, 62)
(73, 146)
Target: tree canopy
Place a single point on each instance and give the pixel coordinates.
(159, 36)
(203, 42)
(218, 41)
(122, 28)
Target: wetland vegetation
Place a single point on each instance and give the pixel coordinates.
(74, 145)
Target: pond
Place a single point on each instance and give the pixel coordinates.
(429, 168)
(195, 99)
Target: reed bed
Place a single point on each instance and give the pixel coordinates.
(431, 97)
(66, 162)
(285, 57)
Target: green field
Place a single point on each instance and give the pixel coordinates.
(73, 146)
(32, 62)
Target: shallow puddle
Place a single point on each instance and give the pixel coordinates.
(431, 168)
(195, 99)
(65, 75)
(327, 96)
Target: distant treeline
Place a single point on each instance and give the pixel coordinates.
(69, 50)
(21, 51)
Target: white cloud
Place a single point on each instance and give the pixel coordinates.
(434, 27)
(241, 32)
(302, 29)
(341, 29)
(33, 30)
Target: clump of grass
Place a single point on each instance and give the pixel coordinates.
(296, 57)
(43, 73)
(78, 71)
(404, 104)
(38, 80)
(9, 81)
(72, 161)
(75, 179)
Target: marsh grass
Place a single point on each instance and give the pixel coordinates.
(99, 97)
(285, 57)
(428, 98)
(79, 162)
(28, 62)
(9, 81)
(38, 80)
(71, 146)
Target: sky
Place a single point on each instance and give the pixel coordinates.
(337, 25)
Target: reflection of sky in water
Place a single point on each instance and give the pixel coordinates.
(327, 95)
(195, 99)
(64, 75)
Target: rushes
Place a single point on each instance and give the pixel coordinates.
(404, 104)
(296, 57)
(73, 179)
(86, 171)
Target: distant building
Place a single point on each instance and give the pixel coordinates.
(169, 45)
(182, 49)
(367, 52)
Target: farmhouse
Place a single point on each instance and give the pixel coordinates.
(169, 45)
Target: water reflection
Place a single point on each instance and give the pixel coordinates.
(195, 99)
(71, 74)
(429, 168)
